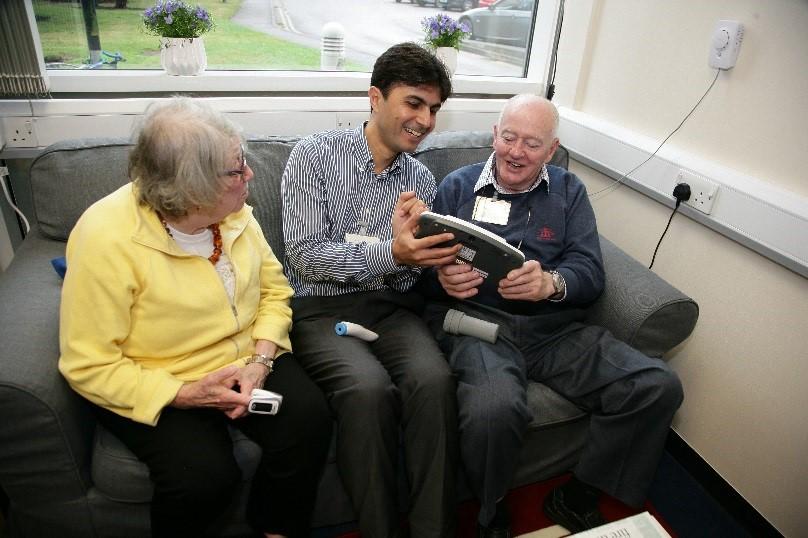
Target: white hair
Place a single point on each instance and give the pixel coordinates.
(525, 99)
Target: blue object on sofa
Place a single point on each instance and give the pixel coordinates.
(60, 266)
(67, 477)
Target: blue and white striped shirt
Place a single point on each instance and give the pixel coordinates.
(329, 190)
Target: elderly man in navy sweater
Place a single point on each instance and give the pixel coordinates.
(544, 211)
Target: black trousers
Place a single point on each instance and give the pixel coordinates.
(190, 458)
(399, 383)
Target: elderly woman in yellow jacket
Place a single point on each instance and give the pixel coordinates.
(174, 309)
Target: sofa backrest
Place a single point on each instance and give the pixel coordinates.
(267, 158)
(67, 177)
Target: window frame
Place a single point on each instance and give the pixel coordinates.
(115, 82)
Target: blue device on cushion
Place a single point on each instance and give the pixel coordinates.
(60, 265)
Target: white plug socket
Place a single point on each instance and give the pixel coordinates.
(18, 132)
(703, 192)
(725, 44)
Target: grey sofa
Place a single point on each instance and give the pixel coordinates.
(66, 477)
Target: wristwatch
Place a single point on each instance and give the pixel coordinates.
(260, 358)
(559, 286)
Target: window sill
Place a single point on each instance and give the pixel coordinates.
(136, 81)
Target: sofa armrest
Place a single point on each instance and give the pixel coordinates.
(46, 428)
(639, 307)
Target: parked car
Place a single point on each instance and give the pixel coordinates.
(506, 21)
(460, 5)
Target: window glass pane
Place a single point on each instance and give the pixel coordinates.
(285, 34)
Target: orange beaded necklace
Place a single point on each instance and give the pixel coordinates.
(217, 238)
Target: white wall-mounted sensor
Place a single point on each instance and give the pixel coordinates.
(725, 43)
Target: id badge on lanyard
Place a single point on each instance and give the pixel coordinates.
(362, 236)
(491, 210)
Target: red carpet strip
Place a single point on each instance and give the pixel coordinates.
(526, 513)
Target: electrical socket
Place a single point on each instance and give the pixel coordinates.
(703, 192)
(349, 120)
(18, 132)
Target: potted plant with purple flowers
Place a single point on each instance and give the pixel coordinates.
(180, 27)
(444, 34)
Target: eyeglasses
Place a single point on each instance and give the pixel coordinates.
(242, 169)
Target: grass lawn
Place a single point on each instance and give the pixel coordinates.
(228, 46)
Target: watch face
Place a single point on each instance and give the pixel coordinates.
(557, 281)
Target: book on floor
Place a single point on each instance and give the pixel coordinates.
(642, 525)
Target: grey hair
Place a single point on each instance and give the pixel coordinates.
(525, 99)
(182, 148)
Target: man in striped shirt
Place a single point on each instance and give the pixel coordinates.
(351, 199)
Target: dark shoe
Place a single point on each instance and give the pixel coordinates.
(493, 532)
(574, 521)
(500, 524)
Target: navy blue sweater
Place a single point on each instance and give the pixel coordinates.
(560, 233)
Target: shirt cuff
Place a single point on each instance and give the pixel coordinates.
(379, 257)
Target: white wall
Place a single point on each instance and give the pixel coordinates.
(642, 64)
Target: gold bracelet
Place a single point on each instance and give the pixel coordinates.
(260, 358)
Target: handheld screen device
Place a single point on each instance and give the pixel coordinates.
(265, 402)
(267, 408)
(491, 256)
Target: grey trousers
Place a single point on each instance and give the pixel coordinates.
(399, 385)
(631, 397)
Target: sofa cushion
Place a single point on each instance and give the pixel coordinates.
(267, 157)
(67, 177)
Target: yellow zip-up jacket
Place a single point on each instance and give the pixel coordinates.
(139, 316)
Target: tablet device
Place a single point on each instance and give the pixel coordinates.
(491, 256)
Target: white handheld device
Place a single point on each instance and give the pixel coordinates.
(265, 402)
(346, 328)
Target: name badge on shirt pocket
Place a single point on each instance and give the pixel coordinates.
(358, 238)
(491, 211)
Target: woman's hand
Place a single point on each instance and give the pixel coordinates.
(250, 377)
(214, 390)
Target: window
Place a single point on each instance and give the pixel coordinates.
(274, 45)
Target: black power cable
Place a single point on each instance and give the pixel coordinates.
(682, 194)
(619, 181)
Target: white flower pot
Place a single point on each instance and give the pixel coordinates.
(183, 56)
(448, 55)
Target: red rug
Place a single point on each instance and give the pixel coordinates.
(526, 514)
